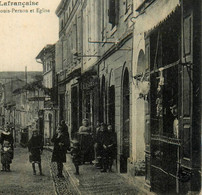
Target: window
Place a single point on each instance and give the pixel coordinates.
(126, 6)
(113, 12)
(66, 15)
(164, 89)
(67, 106)
(72, 4)
(70, 11)
(61, 24)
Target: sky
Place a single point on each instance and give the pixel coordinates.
(23, 35)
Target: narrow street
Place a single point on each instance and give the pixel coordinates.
(21, 181)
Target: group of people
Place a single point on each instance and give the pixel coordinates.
(98, 146)
(7, 149)
(104, 146)
(61, 143)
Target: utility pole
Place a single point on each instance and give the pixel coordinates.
(26, 79)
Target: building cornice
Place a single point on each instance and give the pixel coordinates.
(61, 7)
(47, 48)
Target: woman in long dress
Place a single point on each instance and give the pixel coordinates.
(86, 141)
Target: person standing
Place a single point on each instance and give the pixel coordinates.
(61, 145)
(86, 141)
(64, 128)
(6, 141)
(95, 138)
(109, 148)
(76, 155)
(35, 147)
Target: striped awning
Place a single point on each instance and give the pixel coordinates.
(154, 15)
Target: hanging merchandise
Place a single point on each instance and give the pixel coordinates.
(159, 100)
(144, 86)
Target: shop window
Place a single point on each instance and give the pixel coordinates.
(74, 110)
(67, 106)
(164, 92)
(102, 101)
(113, 12)
(62, 105)
(88, 107)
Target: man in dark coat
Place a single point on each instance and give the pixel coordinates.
(64, 128)
(61, 145)
(35, 147)
(109, 148)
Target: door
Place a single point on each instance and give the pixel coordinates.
(125, 137)
(111, 106)
(74, 111)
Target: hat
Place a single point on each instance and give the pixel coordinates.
(34, 130)
(75, 142)
(173, 106)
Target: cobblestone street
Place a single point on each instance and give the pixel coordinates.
(92, 181)
(20, 180)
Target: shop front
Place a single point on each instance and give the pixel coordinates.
(173, 167)
(90, 100)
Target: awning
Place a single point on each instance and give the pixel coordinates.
(154, 15)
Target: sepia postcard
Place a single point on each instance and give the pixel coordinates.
(100, 97)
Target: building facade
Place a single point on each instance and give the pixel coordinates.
(93, 62)
(68, 64)
(29, 103)
(47, 59)
(166, 94)
(120, 62)
(107, 62)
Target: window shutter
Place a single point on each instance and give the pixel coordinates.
(112, 11)
(147, 120)
(186, 92)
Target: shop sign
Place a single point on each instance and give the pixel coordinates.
(61, 76)
(61, 89)
(90, 83)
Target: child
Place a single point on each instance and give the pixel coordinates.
(76, 155)
(35, 147)
(6, 156)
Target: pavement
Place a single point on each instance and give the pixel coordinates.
(91, 181)
(21, 181)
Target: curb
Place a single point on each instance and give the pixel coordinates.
(71, 177)
(73, 180)
(76, 183)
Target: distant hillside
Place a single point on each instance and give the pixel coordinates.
(7, 76)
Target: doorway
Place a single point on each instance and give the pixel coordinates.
(126, 113)
(50, 125)
(74, 111)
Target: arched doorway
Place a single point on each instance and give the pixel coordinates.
(126, 112)
(111, 100)
(50, 125)
(141, 121)
(102, 100)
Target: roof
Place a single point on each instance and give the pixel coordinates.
(61, 7)
(47, 48)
